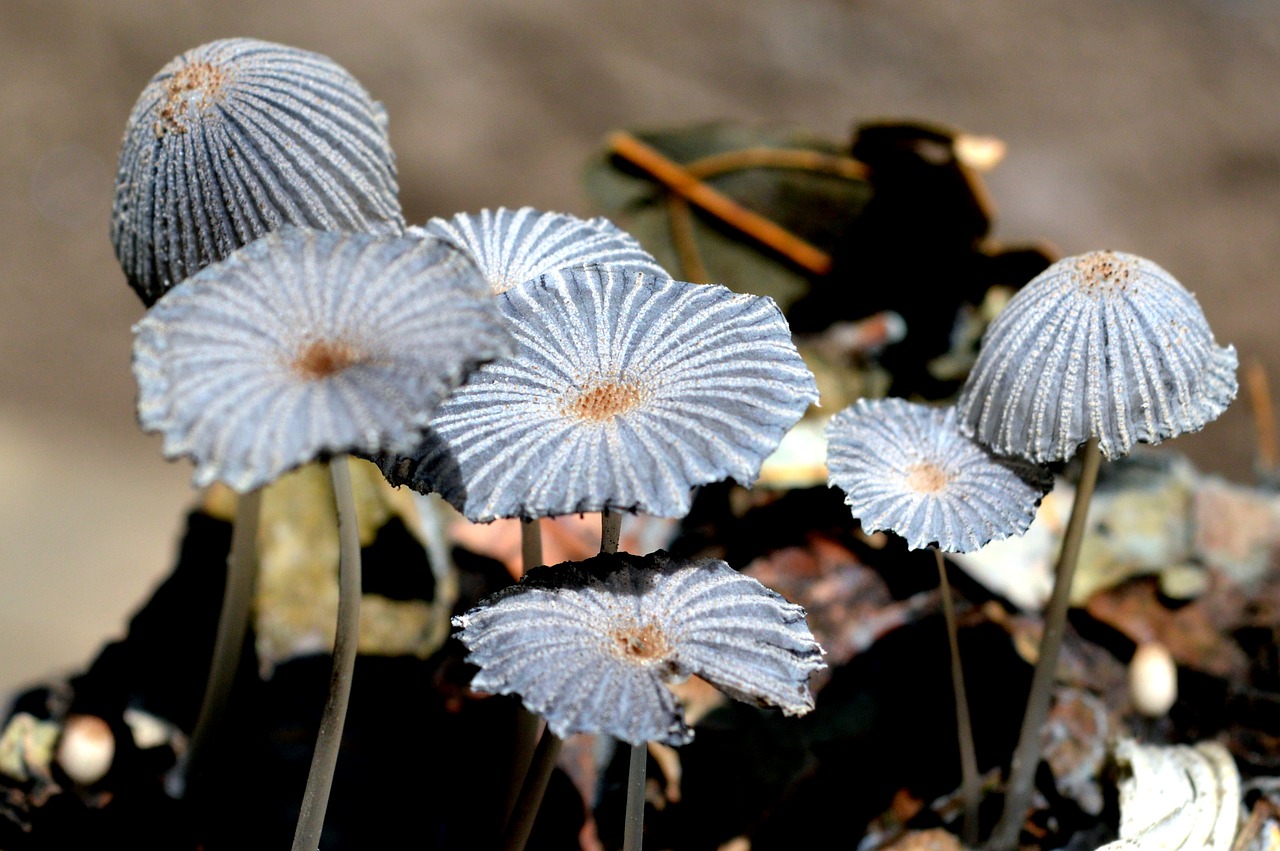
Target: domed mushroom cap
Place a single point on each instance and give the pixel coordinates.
(592, 645)
(234, 139)
(307, 343)
(906, 468)
(514, 246)
(624, 393)
(1104, 345)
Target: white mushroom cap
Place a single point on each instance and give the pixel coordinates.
(1104, 345)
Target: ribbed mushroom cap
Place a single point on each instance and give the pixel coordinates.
(592, 645)
(624, 393)
(307, 343)
(514, 246)
(906, 468)
(1104, 345)
(234, 139)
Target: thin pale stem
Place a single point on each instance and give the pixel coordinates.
(346, 640)
(610, 531)
(1027, 754)
(535, 786)
(633, 823)
(233, 624)
(525, 735)
(970, 789)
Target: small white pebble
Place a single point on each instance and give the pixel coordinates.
(1153, 679)
(87, 749)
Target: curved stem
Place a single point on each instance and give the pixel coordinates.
(525, 734)
(345, 644)
(633, 823)
(970, 791)
(233, 624)
(1027, 754)
(535, 785)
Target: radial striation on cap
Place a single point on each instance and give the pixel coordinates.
(308, 343)
(515, 246)
(906, 468)
(236, 138)
(625, 392)
(592, 646)
(1104, 345)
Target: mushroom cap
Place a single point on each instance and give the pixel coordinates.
(906, 468)
(514, 246)
(592, 645)
(1104, 345)
(235, 138)
(308, 343)
(625, 392)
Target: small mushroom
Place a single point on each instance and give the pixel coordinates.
(625, 392)
(236, 138)
(306, 344)
(1105, 345)
(592, 645)
(514, 246)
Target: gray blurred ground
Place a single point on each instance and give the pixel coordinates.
(1152, 127)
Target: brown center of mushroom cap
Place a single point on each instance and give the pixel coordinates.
(323, 358)
(192, 90)
(601, 401)
(639, 644)
(927, 478)
(1104, 272)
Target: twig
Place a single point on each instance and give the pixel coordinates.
(677, 179)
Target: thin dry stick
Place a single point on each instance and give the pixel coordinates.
(525, 735)
(1027, 754)
(677, 179)
(797, 159)
(970, 790)
(233, 623)
(1264, 416)
(692, 269)
(345, 644)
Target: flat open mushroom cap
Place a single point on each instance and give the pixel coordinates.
(625, 392)
(592, 645)
(514, 246)
(1104, 345)
(234, 139)
(906, 468)
(308, 343)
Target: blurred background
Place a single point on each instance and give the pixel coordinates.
(1151, 127)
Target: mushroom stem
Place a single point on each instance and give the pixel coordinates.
(633, 821)
(970, 791)
(315, 799)
(1027, 754)
(233, 623)
(535, 786)
(610, 531)
(525, 735)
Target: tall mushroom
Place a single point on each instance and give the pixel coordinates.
(1103, 350)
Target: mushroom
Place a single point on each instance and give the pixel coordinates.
(906, 468)
(305, 345)
(236, 138)
(1097, 353)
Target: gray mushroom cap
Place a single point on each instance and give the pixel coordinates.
(906, 468)
(309, 343)
(1104, 345)
(236, 138)
(625, 392)
(592, 645)
(514, 246)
